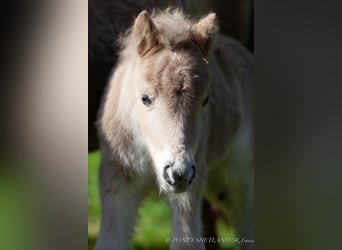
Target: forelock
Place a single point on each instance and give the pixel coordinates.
(173, 27)
(171, 72)
(177, 78)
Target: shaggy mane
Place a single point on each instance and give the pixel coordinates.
(173, 27)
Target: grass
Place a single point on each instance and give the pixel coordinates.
(154, 223)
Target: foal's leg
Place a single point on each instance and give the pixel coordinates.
(120, 197)
(186, 217)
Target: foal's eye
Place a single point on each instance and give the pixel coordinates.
(206, 100)
(146, 100)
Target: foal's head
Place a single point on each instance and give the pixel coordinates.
(172, 91)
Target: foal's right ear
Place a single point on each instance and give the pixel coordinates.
(144, 33)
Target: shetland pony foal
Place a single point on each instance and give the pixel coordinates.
(178, 105)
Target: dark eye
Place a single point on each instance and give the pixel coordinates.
(146, 100)
(206, 100)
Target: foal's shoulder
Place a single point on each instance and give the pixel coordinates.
(237, 65)
(231, 52)
(228, 44)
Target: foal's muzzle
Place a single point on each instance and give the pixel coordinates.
(179, 177)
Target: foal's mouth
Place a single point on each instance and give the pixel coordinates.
(180, 188)
(178, 181)
(171, 189)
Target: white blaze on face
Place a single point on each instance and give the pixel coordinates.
(168, 144)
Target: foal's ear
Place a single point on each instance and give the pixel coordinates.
(144, 33)
(204, 30)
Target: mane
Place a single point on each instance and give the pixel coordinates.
(173, 27)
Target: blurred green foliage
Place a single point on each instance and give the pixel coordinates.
(17, 210)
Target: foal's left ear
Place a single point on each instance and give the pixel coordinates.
(144, 32)
(204, 30)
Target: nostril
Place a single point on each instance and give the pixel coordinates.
(193, 173)
(166, 175)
